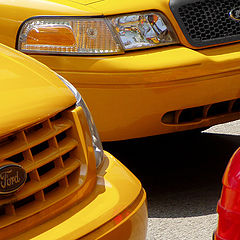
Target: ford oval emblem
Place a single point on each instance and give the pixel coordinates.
(12, 178)
(235, 14)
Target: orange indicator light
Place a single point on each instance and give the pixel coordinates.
(51, 35)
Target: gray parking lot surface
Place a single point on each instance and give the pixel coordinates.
(182, 176)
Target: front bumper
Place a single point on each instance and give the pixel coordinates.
(137, 89)
(116, 209)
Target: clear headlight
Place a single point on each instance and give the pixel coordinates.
(95, 36)
(143, 30)
(96, 142)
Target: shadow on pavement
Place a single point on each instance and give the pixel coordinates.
(180, 172)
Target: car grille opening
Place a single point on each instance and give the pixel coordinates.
(45, 168)
(24, 201)
(35, 128)
(16, 158)
(197, 114)
(236, 106)
(61, 136)
(218, 108)
(56, 117)
(51, 188)
(207, 22)
(7, 140)
(2, 211)
(28, 178)
(39, 148)
(189, 115)
(65, 156)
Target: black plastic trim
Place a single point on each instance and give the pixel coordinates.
(174, 7)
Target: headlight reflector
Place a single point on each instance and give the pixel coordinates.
(143, 30)
(95, 35)
(96, 142)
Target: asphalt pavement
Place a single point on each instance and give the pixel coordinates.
(182, 176)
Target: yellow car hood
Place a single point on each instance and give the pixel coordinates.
(109, 7)
(85, 2)
(29, 91)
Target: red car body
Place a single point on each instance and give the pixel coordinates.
(229, 204)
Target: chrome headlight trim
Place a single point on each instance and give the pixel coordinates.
(96, 141)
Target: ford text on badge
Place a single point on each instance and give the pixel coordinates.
(12, 178)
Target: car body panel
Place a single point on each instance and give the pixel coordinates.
(20, 94)
(136, 89)
(152, 82)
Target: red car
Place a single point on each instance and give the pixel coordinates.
(229, 204)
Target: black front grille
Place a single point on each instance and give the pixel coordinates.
(207, 22)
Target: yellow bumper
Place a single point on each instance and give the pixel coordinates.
(116, 209)
(129, 94)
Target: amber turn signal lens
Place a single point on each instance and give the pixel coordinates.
(53, 35)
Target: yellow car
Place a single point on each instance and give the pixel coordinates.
(55, 180)
(144, 67)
